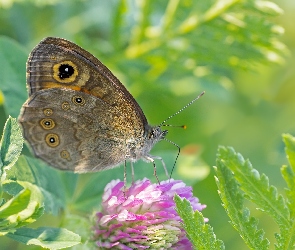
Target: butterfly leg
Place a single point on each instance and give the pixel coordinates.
(163, 164)
(150, 159)
(125, 178)
(132, 171)
(155, 171)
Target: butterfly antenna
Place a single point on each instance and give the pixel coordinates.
(190, 103)
(176, 156)
(174, 126)
(182, 126)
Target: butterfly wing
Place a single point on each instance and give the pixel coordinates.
(78, 116)
(58, 63)
(74, 131)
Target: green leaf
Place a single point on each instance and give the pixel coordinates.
(79, 224)
(92, 189)
(268, 8)
(255, 186)
(11, 144)
(289, 177)
(191, 29)
(52, 238)
(200, 234)
(50, 181)
(233, 199)
(24, 208)
(35, 203)
(287, 240)
(91, 193)
(69, 182)
(118, 20)
(13, 75)
(15, 204)
(290, 149)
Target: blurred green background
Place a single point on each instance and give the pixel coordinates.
(248, 104)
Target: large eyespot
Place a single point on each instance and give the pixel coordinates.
(65, 72)
(52, 140)
(47, 112)
(47, 123)
(78, 100)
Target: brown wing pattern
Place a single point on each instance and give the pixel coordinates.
(83, 139)
(78, 116)
(89, 76)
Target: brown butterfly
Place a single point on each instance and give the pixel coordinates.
(79, 116)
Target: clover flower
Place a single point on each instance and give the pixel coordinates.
(144, 217)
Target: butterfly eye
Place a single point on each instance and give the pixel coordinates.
(151, 134)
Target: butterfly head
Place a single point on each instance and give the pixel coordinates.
(153, 134)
